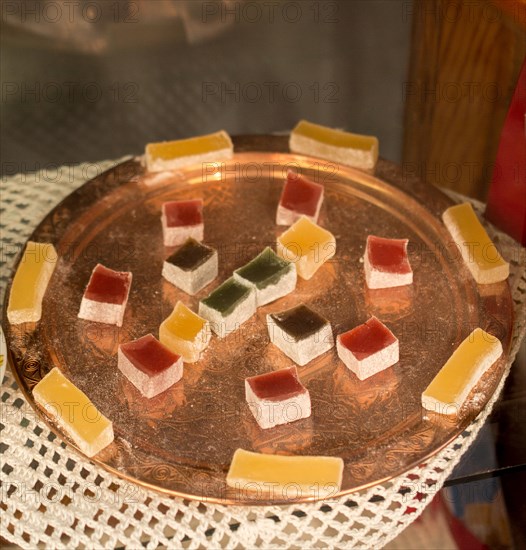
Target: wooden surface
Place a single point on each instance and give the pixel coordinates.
(465, 60)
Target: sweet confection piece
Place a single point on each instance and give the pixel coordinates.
(185, 333)
(300, 197)
(30, 282)
(448, 390)
(228, 306)
(181, 220)
(172, 155)
(277, 397)
(149, 365)
(269, 275)
(191, 267)
(73, 412)
(478, 251)
(368, 348)
(386, 264)
(342, 147)
(310, 476)
(306, 244)
(300, 333)
(106, 296)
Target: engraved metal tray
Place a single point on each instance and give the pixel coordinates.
(182, 441)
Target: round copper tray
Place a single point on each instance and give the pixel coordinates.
(182, 441)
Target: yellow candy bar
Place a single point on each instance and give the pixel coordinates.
(72, 411)
(303, 476)
(342, 147)
(478, 251)
(450, 387)
(171, 155)
(30, 282)
(185, 333)
(306, 244)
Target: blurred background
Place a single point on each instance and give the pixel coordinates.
(87, 80)
(111, 76)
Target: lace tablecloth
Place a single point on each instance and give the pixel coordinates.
(52, 496)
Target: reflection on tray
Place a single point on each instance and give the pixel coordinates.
(389, 304)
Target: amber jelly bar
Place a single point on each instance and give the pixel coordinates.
(478, 251)
(73, 412)
(269, 275)
(172, 155)
(106, 296)
(300, 333)
(277, 398)
(303, 476)
(30, 283)
(449, 389)
(335, 145)
(191, 267)
(149, 365)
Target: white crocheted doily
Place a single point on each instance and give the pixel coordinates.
(51, 496)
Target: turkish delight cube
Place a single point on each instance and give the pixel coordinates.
(368, 348)
(228, 306)
(106, 296)
(271, 277)
(191, 267)
(300, 333)
(386, 263)
(277, 398)
(182, 219)
(185, 333)
(149, 365)
(308, 245)
(300, 197)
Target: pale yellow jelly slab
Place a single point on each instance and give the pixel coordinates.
(72, 411)
(285, 476)
(344, 147)
(167, 155)
(337, 138)
(306, 244)
(450, 387)
(30, 282)
(477, 249)
(185, 333)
